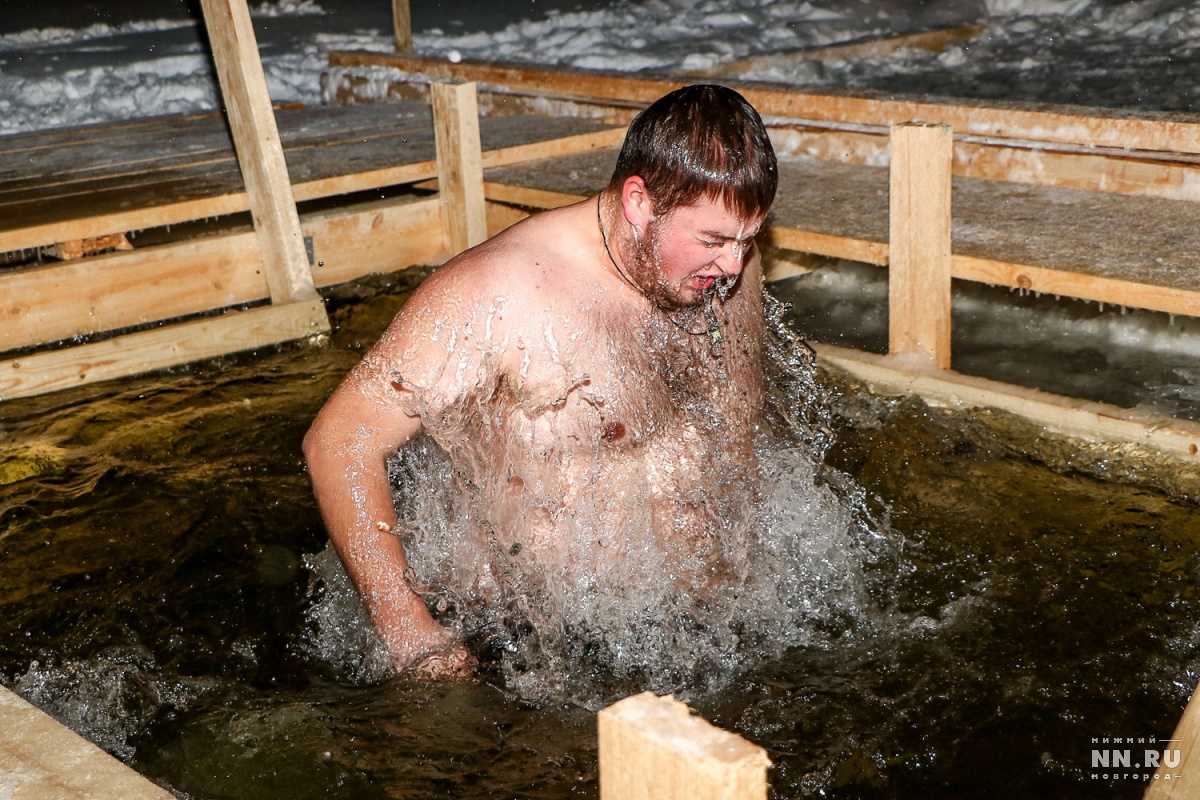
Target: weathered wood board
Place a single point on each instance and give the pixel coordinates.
(64, 185)
(1140, 252)
(1133, 129)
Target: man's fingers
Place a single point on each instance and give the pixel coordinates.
(456, 662)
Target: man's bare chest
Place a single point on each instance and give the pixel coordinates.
(616, 388)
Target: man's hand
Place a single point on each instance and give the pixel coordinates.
(457, 662)
(431, 650)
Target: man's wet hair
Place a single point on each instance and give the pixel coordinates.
(701, 142)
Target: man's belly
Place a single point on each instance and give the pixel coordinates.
(681, 499)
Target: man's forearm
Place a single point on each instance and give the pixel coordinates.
(355, 502)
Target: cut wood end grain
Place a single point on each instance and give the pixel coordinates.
(671, 724)
(91, 245)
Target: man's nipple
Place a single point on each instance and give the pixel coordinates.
(614, 431)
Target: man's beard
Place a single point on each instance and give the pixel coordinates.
(645, 269)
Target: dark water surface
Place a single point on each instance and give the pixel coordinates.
(153, 535)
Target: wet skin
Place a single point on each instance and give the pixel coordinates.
(555, 377)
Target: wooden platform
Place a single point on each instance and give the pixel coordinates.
(1117, 249)
(64, 185)
(1096, 204)
(1065, 201)
(61, 189)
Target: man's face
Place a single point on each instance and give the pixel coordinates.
(691, 253)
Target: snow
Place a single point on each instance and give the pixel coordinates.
(1140, 55)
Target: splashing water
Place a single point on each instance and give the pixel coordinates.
(798, 562)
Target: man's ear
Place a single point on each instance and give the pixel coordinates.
(636, 203)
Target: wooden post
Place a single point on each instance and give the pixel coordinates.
(402, 25)
(260, 154)
(1178, 773)
(652, 748)
(919, 242)
(459, 165)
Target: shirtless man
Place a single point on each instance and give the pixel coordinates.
(605, 354)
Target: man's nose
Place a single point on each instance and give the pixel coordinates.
(731, 258)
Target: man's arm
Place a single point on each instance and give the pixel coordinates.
(347, 448)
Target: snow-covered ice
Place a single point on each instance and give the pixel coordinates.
(1141, 54)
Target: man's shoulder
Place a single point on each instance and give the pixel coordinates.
(530, 262)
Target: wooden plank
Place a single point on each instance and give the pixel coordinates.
(62, 230)
(1178, 774)
(1109, 291)
(41, 759)
(260, 154)
(821, 244)
(1140, 130)
(123, 290)
(317, 145)
(934, 41)
(375, 238)
(211, 188)
(402, 26)
(151, 284)
(1107, 169)
(528, 197)
(1080, 418)
(919, 242)
(168, 346)
(1168, 175)
(460, 165)
(15, 147)
(351, 86)
(170, 146)
(557, 147)
(652, 748)
(1024, 277)
(1135, 251)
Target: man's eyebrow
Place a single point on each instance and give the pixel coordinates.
(727, 237)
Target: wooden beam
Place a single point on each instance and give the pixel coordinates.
(460, 165)
(379, 237)
(174, 213)
(260, 153)
(1080, 418)
(42, 758)
(1178, 774)
(132, 220)
(1116, 171)
(526, 196)
(933, 41)
(168, 346)
(919, 242)
(823, 244)
(1040, 280)
(1110, 291)
(402, 26)
(553, 148)
(652, 748)
(1090, 127)
(122, 290)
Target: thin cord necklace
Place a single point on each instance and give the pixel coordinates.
(715, 337)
